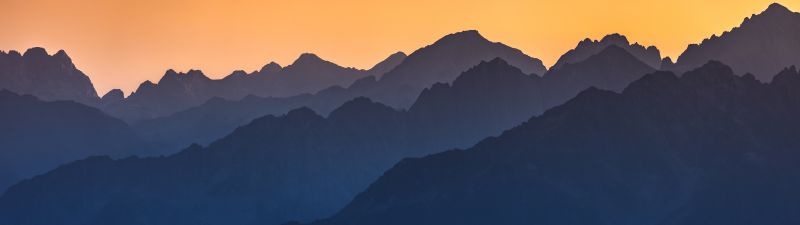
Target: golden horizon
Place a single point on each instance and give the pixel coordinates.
(120, 44)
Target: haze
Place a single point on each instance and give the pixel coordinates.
(119, 43)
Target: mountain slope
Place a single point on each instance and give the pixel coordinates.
(484, 100)
(612, 69)
(39, 135)
(49, 77)
(762, 45)
(442, 62)
(180, 91)
(709, 147)
(586, 48)
(444, 58)
(387, 64)
(297, 166)
(300, 166)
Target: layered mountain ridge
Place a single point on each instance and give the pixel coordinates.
(649, 55)
(49, 77)
(668, 150)
(763, 45)
(180, 91)
(37, 136)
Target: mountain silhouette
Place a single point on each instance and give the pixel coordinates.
(288, 154)
(613, 68)
(442, 62)
(514, 95)
(709, 147)
(275, 169)
(387, 64)
(483, 101)
(49, 77)
(587, 48)
(38, 136)
(763, 45)
(180, 91)
(113, 96)
(219, 117)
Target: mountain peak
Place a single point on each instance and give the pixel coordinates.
(711, 73)
(35, 52)
(238, 73)
(196, 73)
(61, 54)
(302, 114)
(398, 54)
(271, 67)
(113, 95)
(586, 48)
(463, 36)
(360, 108)
(486, 72)
(170, 72)
(308, 58)
(777, 8)
(616, 38)
(168, 76)
(762, 45)
(388, 64)
(14, 53)
(789, 76)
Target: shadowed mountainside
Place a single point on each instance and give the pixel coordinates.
(299, 157)
(444, 60)
(388, 64)
(613, 68)
(587, 48)
(180, 91)
(38, 136)
(709, 147)
(311, 164)
(763, 45)
(49, 77)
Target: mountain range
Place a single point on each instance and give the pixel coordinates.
(37, 136)
(588, 47)
(368, 137)
(220, 116)
(180, 91)
(49, 77)
(762, 45)
(709, 147)
(611, 64)
(300, 165)
(610, 134)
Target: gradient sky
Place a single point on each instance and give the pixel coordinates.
(121, 43)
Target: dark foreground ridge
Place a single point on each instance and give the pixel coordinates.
(709, 147)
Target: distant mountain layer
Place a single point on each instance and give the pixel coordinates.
(763, 45)
(38, 136)
(311, 165)
(709, 147)
(275, 169)
(444, 59)
(180, 91)
(514, 95)
(612, 68)
(49, 77)
(586, 48)
(442, 62)
(387, 64)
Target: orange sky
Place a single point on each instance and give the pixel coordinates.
(120, 43)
